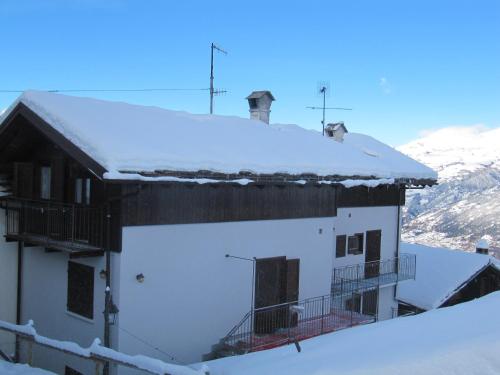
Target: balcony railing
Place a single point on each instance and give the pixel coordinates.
(58, 226)
(277, 325)
(373, 274)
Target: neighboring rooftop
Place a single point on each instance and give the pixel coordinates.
(440, 273)
(462, 339)
(123, 137)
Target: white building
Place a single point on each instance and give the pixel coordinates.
(209, 220)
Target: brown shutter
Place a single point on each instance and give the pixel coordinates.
(23, 180)
(340, 246)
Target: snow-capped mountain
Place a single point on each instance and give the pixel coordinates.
(465, 205)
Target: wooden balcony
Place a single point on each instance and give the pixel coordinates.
(76, 229)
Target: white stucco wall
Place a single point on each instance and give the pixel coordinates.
(8, 286)
(193, 295)
(44, 301)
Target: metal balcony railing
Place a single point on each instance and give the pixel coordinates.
(368, 275)
(60, 226)
(272, 326)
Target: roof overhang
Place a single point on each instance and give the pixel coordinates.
(50, 133)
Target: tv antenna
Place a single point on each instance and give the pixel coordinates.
(212, 90)
(324, 90)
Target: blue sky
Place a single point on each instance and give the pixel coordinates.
(403, 66)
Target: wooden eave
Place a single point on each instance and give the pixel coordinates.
(53, 135)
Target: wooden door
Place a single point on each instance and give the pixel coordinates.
(23, 180)
(270, 290)
(373, 243)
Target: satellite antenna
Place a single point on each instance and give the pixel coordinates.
(324, 91)
(212, 90)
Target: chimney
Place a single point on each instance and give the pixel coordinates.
(482, 246)
(336, 131)
(260, 105)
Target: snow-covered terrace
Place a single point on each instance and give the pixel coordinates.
(440, 273)
(150, 143)
(442, 341)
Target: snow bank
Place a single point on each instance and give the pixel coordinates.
(126, 137)
(18, 369)
(441, 341)
(440, 272)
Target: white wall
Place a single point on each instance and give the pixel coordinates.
(193, 295)
(44, 301)
(8, 286)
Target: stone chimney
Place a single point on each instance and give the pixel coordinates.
(260, 105)
(482, 246)
(336, 131)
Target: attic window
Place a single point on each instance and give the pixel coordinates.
(45, 179)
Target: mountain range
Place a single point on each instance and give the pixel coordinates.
(465, 205)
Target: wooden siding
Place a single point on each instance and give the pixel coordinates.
(361, 196)
(184, 203)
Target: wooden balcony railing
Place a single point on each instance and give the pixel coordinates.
(58, 226)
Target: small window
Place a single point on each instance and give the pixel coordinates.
(81, 289)
(340, 246)
(71, 371)
(355, 244)
(45, 178)
(82, 191)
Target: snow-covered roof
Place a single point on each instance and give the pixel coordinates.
(124, 137)
(439, 274)
(21, 369)
(463, 339)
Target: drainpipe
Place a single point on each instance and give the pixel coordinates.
(20, 251)
(398, 234)
(107, 299)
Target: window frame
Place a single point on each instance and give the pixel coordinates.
(45, 182)
(359, 249)
(80, 290)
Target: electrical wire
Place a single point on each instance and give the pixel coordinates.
(113, 90)
(170, 356)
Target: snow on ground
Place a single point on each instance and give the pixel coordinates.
(459, 340)
(18, 369)
(126, 137)
(440, 272)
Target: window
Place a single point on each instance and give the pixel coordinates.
(71, 371)
(81, 289)
(355, 244)
(82, 191)
(340, 246)
(45, 177)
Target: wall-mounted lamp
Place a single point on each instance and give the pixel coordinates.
(140, 278)
(102, 274)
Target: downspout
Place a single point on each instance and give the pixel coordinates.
(107, 299)
(20, 248)
(398, 234)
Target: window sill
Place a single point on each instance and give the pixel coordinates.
(82, 318)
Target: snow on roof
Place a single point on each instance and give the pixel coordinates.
(125, 137)
(483, 243)
(439, 273)
(436, 342)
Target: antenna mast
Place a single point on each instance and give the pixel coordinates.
(212, 90)
(323, 89)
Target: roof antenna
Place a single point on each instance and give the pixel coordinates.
(324, 90)
(212, 90)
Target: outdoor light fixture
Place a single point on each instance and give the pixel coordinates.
(140, 278)
(102, 274)
(113, 311)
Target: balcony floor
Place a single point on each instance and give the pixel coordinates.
(305, 329)
(72, 247)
